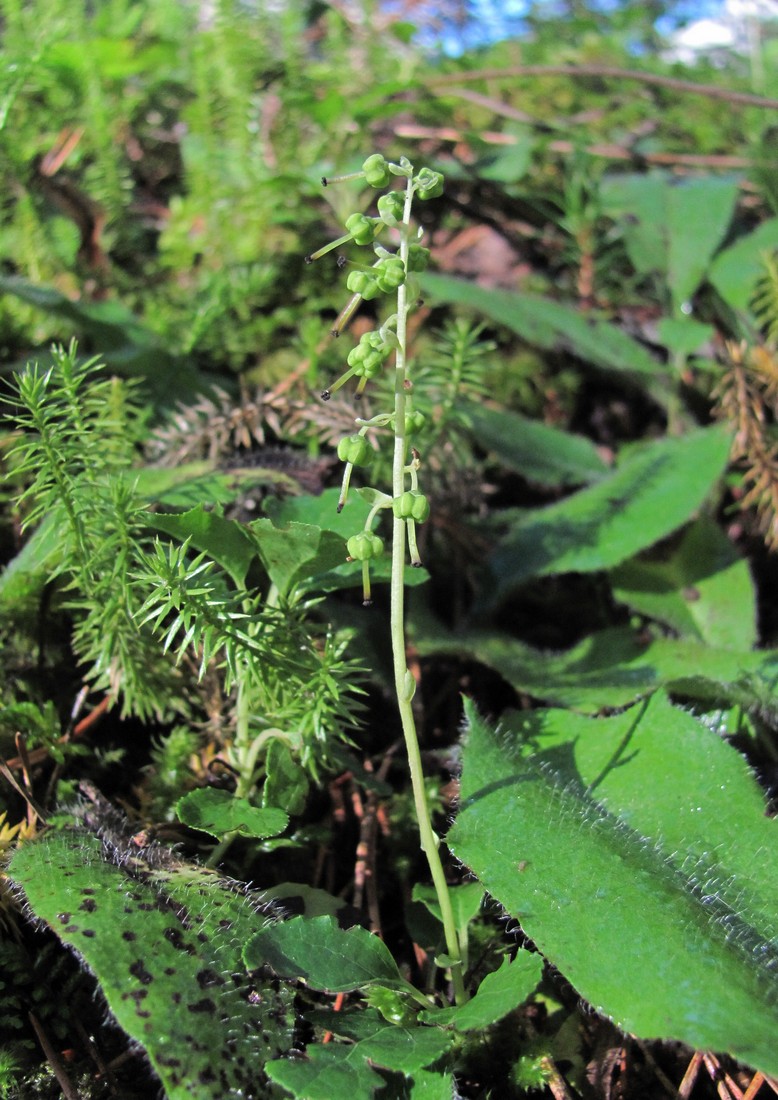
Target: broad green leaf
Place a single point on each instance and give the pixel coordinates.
(295, 552)
(164, 940)
(465, 901)
(225, 541)
(654, 490)
(538, 452)
(683, 335)
(661, 910)
(699, 211)
(703, 591)
(736, 269)
(638, 202)
(220, 812)
(433, 1086)
(320, 511)
(25, 576)
(671, 227)
(323, 955)
(286, 780)
(614, 667)
(548, 324)
(326, 1072)
(403, 1049)
(118, 336)
(497, 995)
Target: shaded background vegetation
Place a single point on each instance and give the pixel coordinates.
(160, 169)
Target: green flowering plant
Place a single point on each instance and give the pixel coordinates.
(393, 272)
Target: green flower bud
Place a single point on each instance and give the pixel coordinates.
(364, 546)
(362, 229)
(411, 505)
(364, 283)
(369, 355)
(414, 422)
(391, 207)
(356, 450)
(429, 184)
(376, 171)
(390, 273)
(418, 257)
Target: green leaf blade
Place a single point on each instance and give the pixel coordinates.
(323, 955)
(650, 495)
(160, 940)
(612, 902)
(219, 813)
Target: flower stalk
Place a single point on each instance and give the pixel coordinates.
(393, 273)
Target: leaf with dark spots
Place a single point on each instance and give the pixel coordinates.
(88, 905)
(155, 958)
(139, 971)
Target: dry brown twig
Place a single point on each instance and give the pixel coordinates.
(747, 399)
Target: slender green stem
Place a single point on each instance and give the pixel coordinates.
(404, 684)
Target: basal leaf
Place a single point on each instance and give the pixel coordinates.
(654, 908)
(535, 450)
(651, 493)
(614, 667)
(25, 576)
(736, 269)
(548, 324)
(699, 211)
(703, 590)
(671, 227)
(164, 940)
(220, 812)
(322, 954)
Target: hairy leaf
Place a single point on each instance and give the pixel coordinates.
(164, 940)
(538, 452)
(548, 324)
(703, 591)
(614, 667)
(672, 895)
(652, 492)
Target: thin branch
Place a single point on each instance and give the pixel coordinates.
(613, 152)
(688, 87)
